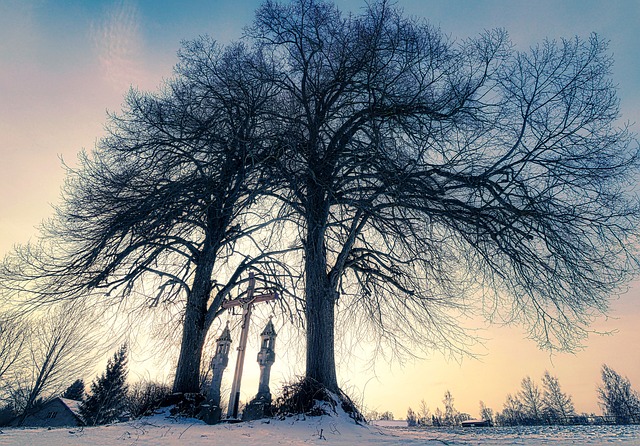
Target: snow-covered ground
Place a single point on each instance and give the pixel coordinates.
(163, 430)
(336, 430)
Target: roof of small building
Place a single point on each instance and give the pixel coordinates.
(73, 405)
(475, 422)
(47, 415)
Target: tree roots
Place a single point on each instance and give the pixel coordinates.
(307, 396)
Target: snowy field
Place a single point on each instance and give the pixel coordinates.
(337, 430)
(534, 435)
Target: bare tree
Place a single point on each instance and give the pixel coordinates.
(158, 212)
(12, 342)
(58, 346)
(424, 414)
(372, 415)
(557, 405)
(531, 400)
(486, 413)
(512, 412)
(617, 398)
(451, 414)
(424, 173)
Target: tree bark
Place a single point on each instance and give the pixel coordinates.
(320, 301)
(187, 379)
(320, 316)
(194, 328)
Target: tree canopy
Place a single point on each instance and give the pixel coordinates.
(428, 175)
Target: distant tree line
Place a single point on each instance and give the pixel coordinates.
(375, 415)
(542, 405)
(449, 416)
(533, 405)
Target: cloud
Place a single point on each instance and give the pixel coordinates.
(119, 45)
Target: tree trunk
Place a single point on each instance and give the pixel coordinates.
(194, 328)
(319, 297)
(187, 378)
(321, 365)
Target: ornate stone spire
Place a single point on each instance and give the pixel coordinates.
(219, 362)
(266, 358)
(225, 336)
(269, 330)
(260, 406)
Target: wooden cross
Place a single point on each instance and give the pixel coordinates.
(247, 304)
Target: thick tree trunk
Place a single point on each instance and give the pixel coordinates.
(187, 379)
(194, 328)
(321, 365)
(320, 301)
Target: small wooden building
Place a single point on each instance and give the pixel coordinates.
(56, 413)
(476, 423)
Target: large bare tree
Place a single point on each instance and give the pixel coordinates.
(531, 399)
(429, 176)
(557, 405)
(159, 210)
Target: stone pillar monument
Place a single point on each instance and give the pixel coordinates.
(218, 363)
(260, 406)
(266, 358)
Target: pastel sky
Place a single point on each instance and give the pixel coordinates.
(64, 63)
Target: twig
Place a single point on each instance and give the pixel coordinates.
(180, 436)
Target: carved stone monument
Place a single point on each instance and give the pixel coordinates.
(260, 406)
(266, 358)
(220, 360)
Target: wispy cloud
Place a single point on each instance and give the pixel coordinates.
(118, 42)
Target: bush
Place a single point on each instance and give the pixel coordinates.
(7, 414)
(145, 397)
(184, 404)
